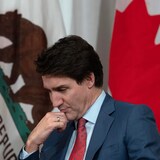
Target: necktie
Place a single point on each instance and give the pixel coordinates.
(80, 143)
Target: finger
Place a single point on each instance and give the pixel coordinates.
(61, 126)
(60, 116)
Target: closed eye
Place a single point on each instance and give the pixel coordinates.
(61, 89)
(58, 89)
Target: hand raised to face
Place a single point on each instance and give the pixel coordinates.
(50, 122)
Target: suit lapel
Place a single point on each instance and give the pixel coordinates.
(102, 127)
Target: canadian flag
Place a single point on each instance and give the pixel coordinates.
(134, 71)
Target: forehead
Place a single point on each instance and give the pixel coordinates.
(50, 81)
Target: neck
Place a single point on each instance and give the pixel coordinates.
(95, 94)
(92, 97)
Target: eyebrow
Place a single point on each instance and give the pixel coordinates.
(59, 87)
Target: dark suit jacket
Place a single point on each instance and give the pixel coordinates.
(122, 132)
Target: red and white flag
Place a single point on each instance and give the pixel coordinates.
(134, 74)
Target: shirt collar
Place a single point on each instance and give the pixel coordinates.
(92, 113)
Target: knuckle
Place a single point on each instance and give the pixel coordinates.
(61, 124)
(48, 114)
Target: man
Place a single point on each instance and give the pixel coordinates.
(72, 73)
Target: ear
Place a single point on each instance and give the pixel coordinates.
(90, 80)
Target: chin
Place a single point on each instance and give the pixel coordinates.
(70, 117)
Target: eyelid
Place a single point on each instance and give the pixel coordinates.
(61, 89)
(58, 89)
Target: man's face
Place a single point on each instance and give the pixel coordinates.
(69, 97)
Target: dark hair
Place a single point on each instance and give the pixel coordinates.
(71, 57)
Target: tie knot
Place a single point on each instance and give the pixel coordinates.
(81, 122)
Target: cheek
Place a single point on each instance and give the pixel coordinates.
(78, 101)
(76, 98)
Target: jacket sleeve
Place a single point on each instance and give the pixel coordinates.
(33, 156)
(142, 137)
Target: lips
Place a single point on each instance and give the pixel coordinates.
(63, 110)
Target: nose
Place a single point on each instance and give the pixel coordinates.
(56, 99)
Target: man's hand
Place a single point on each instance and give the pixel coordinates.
(50, 122)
